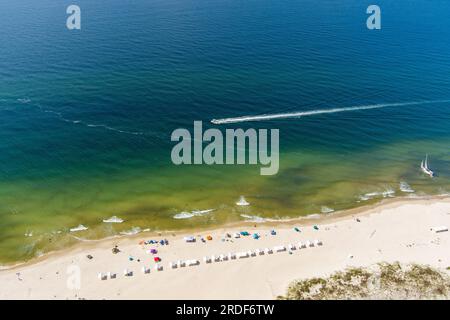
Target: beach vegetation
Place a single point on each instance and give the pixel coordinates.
(381, 281)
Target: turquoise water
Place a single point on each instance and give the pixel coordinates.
(87, 115)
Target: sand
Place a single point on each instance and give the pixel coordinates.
(388, 232)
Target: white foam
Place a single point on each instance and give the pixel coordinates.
(194, 213)
(113, 219)
(132, 231)
(313, 216)
(388, 192)
(250, 218)
(405, 187)
(326, 209)
(79, 228)
(319, 111)
(242, 202)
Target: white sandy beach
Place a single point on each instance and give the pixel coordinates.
(398, 230)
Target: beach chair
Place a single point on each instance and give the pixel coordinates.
(181, 263)
(111, 275)
(279, 248)
(192, 263)
(261, 252)
(145, 270)
(439, 229)
(217, 258)
(268, 251)
(207, 259)
(102, 276)
(127, 273)
(158, 267)
(223, 257)
(173, 265)
(291, 247)
(242, 255)
(257, 252)
(231, 256)
(317, 242)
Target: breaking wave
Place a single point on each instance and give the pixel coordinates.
(195, 213)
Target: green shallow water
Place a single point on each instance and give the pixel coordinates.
(147, 199)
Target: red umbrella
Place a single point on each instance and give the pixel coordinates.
(157, 259)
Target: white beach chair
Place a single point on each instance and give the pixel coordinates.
(145, 270)
(439, 229)
(251, 253)
(102, 276)
(192, 263)
(224, 257)
(257, 252)
(291, 247)
(261, 252)
(158, 267)
(307, 244)
(207, 259)
(310, 243)
(217, 258)
(301, 245)
(242, 255)
(127, 273)
(231, 256)
(173, 265)
(237, 235)
(268, 251)
(317, 242)
(111, 275)
(279, 248)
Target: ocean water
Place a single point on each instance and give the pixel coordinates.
(86, 115)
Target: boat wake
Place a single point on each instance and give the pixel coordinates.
(61, 117)
(319, 111)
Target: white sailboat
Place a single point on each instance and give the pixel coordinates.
(424, 167)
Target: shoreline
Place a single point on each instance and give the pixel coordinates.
(391, 231)
(272, 223)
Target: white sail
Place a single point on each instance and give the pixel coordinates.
(425, 168)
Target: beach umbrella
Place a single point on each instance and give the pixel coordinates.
(297, 229)
(157, 259)
(209, 237)
(273, 232)
(316, 228)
